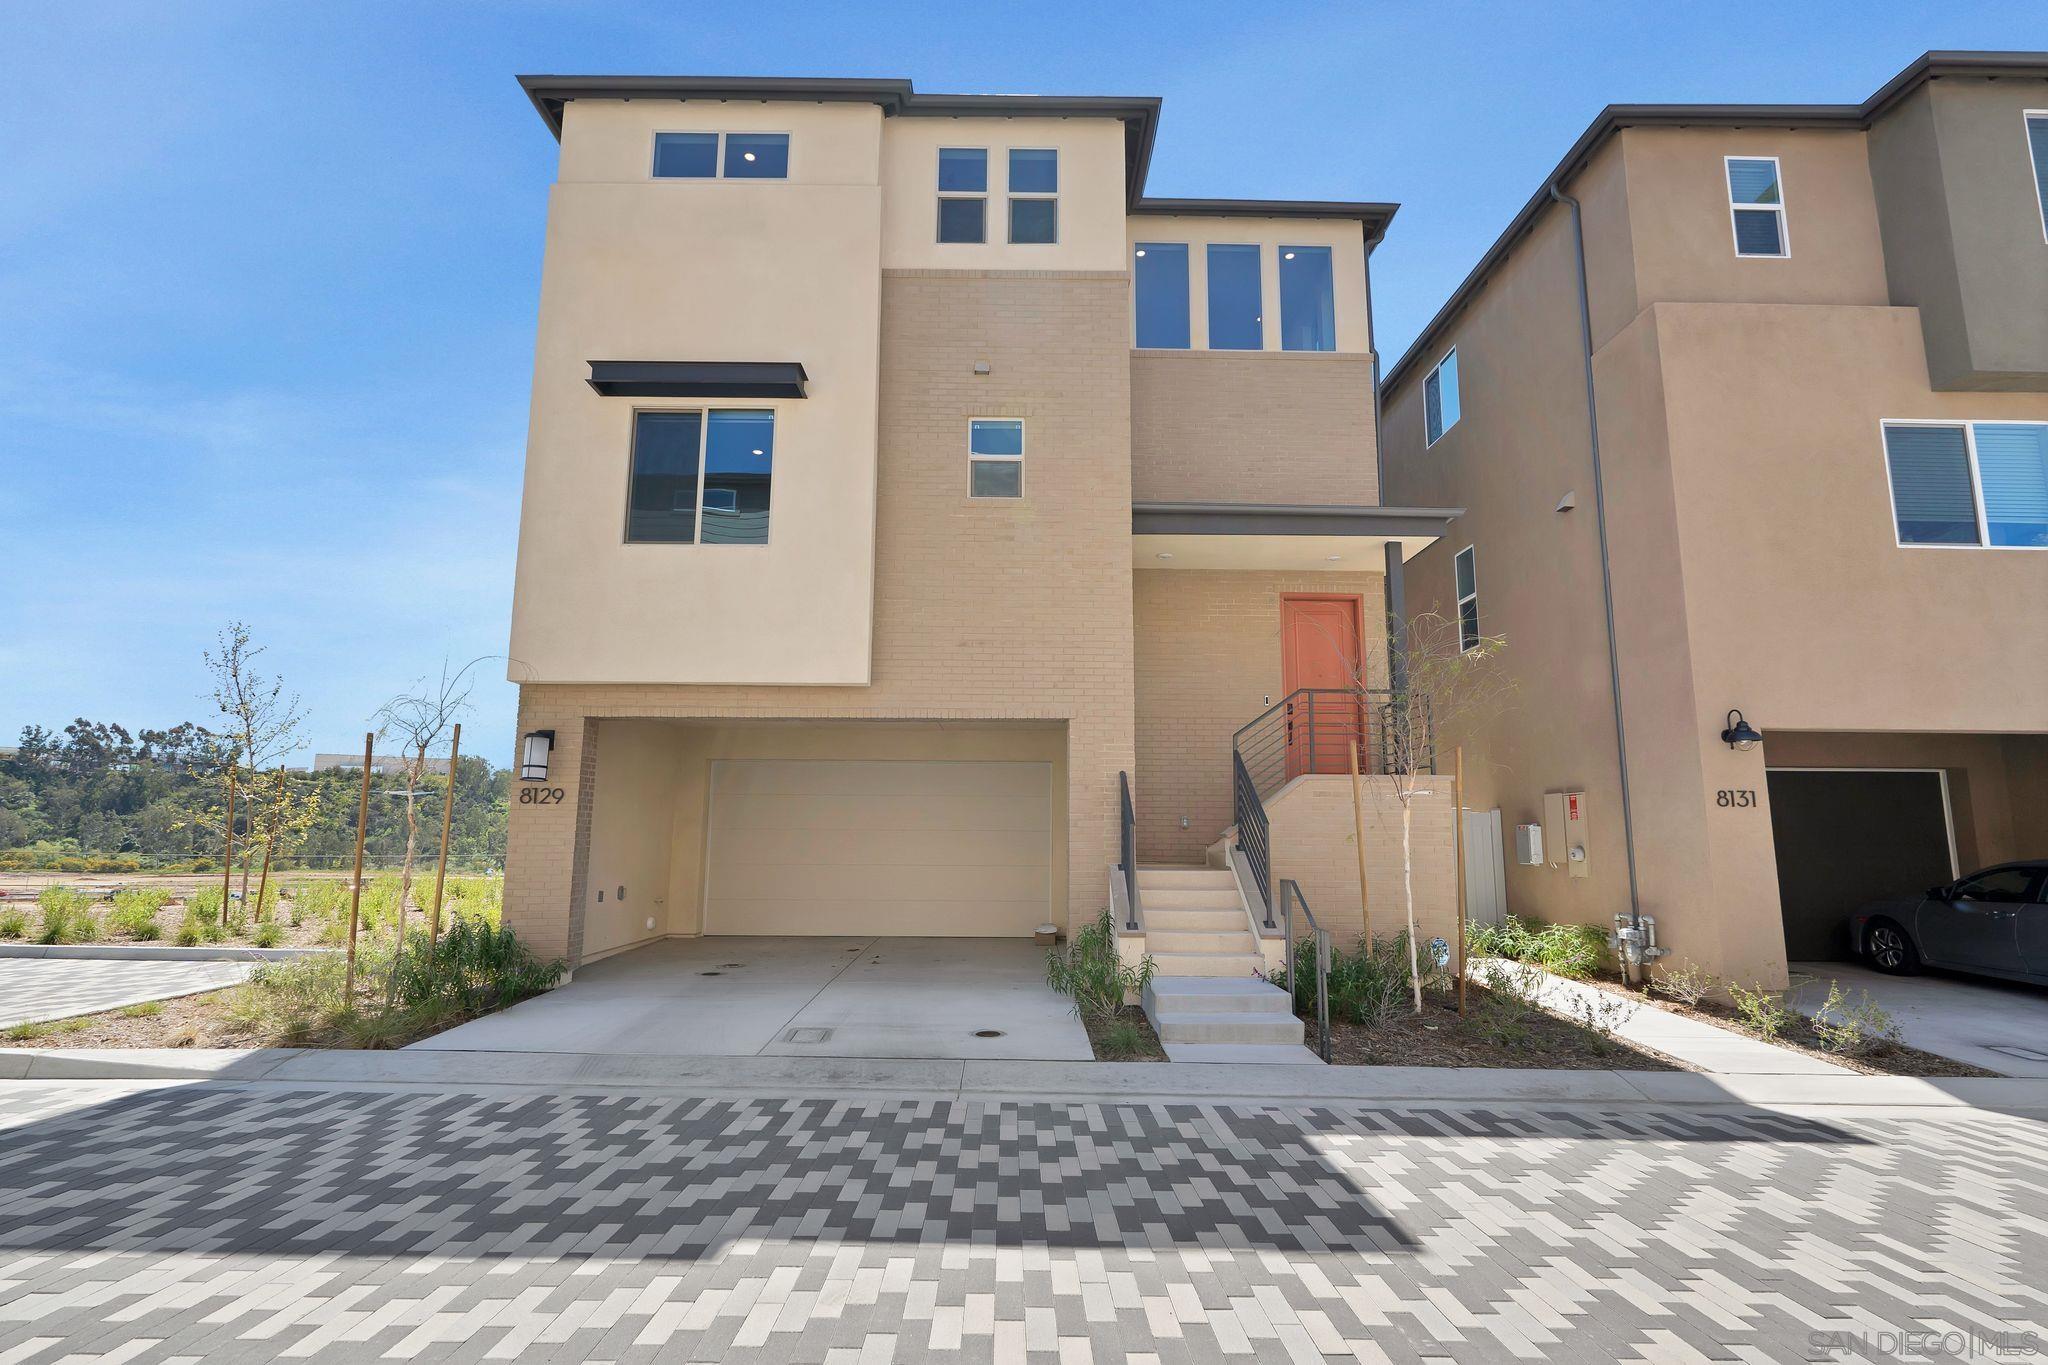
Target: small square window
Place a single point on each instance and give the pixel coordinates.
(963, 220)
(1034, 221)
(963, 170)
(1034, 170)
(995, 458)
(757, 156)
(685, 156)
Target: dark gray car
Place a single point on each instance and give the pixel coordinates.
(1991, 923)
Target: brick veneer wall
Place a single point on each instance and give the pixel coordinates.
(1219, 426)
(1314, 840)
(1207, 652)
(984, 609)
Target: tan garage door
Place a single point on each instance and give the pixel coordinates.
(951, 849)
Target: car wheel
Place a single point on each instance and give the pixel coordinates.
(1889, 949)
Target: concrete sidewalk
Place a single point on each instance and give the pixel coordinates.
(1091, 1082)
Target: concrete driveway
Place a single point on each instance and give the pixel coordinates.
(2000, 1025)
(797, 997)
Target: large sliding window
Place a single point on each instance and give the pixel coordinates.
(727, 453)
(1159, 278)
(1236, 321)
(1969, 483)
(748, 156)
(1308, 300)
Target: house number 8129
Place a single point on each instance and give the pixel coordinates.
(549, 796)
(1727, 797)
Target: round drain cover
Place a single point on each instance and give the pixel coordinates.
(988, 1033)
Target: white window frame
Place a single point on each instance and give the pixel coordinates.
(1969, 426)
(984, 195)
(2027, 118)
(973, 459)
(703, 410)
(1010, 194)
(1472, 597)
(1784, 251)
(1428, 441)
(718, 157)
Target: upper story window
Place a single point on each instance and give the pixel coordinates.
(1034, 194)
(1465, 572)
(995, 458)
(1236, 311)
(701, 477)
(1756, 202)
(2037, 147)
(695, 156)
(1308, 301)
(1440, 397)
(1969, 483)
(963, 194)
(1159, 285)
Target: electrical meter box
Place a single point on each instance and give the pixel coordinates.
(1564, 831)
(1529, 845)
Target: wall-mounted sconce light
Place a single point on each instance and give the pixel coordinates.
(1740, 734)
(533, 755)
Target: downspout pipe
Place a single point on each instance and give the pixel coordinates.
(1628, 828)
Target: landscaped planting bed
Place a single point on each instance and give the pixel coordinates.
(304, 912)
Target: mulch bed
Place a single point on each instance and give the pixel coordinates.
(1798, 1036)
(1438, 1037)
(1152, 1051)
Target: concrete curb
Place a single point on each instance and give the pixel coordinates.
(150, 952)
(1086, 1082)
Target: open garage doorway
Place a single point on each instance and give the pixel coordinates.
(1849, 835)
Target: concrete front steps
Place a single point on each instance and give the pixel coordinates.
(1206, 1001)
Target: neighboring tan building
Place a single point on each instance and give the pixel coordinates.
(1818, 341)
(901, 480)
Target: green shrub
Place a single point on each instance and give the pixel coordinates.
(380, 904)
(145, 1009)
(1761, 1011)
(204, 902)
(199, 927)
(1368, 981)
(483, 896)
(1571, 950)
(13, 922)
(1093, 974)
(67, 916)
(1122, 1039)
(325, 898)
(134, 912)
(477, 967)
(269, 934)
(1862, 1029)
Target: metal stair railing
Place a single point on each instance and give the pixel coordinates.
(1127, 849)
(1290, 896)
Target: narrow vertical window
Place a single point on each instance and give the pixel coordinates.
(739, 457)
(1308, 303)
(663, 503)
(1159, 283)
(1932, 500)
(1235, 316)
(1466, 571)
(1034, 194)
(963, 194)
(1756, 201)
(2037, 148)
(1440, 398)
(685, 156)
(995, 458)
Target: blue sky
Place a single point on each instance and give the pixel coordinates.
(268, 272)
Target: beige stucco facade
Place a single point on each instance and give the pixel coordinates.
(1751, 538)
(708, 700)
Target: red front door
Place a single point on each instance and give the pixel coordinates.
(1319, 650)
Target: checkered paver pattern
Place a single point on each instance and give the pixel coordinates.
(37, 988)
(236, 1224)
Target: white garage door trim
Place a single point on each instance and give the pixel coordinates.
(1948, 811)
(926, 847)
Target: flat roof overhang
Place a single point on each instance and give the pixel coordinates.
(1214, 535)
(698, 378)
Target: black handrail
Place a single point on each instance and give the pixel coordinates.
(1290, 896)
(1250, 814)
(1312, 729)
(1128, 850)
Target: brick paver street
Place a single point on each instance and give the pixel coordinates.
(256, 1223)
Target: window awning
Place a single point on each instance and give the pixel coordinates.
(1211, 535)
(698, 378)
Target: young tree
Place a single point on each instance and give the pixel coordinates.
(259, 720)
(1437, 681)
(283, 818)
(417, 721)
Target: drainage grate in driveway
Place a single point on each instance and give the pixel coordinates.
(806, 1035)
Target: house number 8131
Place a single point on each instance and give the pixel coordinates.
(1727, 797)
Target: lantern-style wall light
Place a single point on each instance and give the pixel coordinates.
(1740, 735)
(533, 755)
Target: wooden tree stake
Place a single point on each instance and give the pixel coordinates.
(355, 899)
(1358, 819)
(441, 874)
(227, 872)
